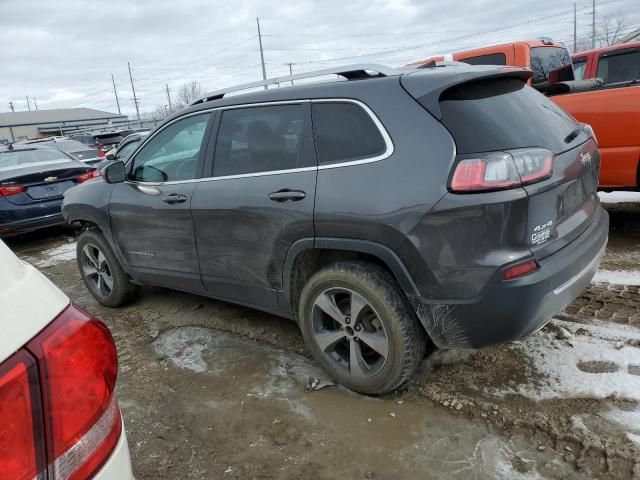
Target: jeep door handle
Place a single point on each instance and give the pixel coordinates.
(286, 194)
(175, 198)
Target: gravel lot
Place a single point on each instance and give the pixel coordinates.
(212, 390)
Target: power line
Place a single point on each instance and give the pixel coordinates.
(28, 104)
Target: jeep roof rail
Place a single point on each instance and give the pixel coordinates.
(350, 72)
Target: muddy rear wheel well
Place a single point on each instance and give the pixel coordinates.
(88, 225)
(309, 261)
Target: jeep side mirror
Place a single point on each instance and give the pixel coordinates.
(111, 155)
(114, 172)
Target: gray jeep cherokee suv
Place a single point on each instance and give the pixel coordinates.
(452, 204)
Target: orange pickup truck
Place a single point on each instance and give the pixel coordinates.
(611, 108)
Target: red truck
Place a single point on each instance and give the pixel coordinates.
(610, 105)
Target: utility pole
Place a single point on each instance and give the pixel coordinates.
(133, 89)
(35, 103)
(575, 29)
(264, 72)
(11, 107)
(168, 97)
(28, 103)
(291, 71)
(115, 92)
(593, 25)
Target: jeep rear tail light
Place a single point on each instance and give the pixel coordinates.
(501, 171)
(22, 454)
(77, 366)
(8, 190)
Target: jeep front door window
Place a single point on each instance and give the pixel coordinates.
(173, 153)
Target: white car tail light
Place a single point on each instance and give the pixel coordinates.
(73, 405)
(22, 455)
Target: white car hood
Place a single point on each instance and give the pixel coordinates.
(28, 302)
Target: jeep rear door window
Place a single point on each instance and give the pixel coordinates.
(173, 153)
(501, 114)
(545, 60)
(345, 132)
(622, 66)
(260, 139)
(490, 59)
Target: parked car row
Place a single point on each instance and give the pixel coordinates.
(455, 206)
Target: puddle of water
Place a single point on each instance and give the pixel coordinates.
(413, 438)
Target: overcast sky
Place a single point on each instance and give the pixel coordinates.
(63, 52)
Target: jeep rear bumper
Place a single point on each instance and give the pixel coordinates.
(511, 310)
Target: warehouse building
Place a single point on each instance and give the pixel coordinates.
(16, 126)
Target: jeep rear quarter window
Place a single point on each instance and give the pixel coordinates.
(345, 132)
(260, 139)
(622, 66)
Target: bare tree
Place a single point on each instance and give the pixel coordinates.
(161, 111)
(189, 92)
(610, 29)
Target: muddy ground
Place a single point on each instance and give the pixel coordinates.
(212, 390)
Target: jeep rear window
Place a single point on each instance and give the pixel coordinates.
(345, 132)
(500, 114)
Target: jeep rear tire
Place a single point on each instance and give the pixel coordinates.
(359, 326)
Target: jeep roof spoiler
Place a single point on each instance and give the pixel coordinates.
(350, 72)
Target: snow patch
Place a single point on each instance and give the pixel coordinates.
(184, 347)
(54, 256)
(634, 438)
(558, 362)
(617, 277)
(619, 197)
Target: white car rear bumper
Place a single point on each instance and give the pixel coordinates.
(118, 467)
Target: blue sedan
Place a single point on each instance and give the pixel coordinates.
(32, 184)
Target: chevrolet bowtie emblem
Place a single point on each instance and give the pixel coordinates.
(50, 179)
